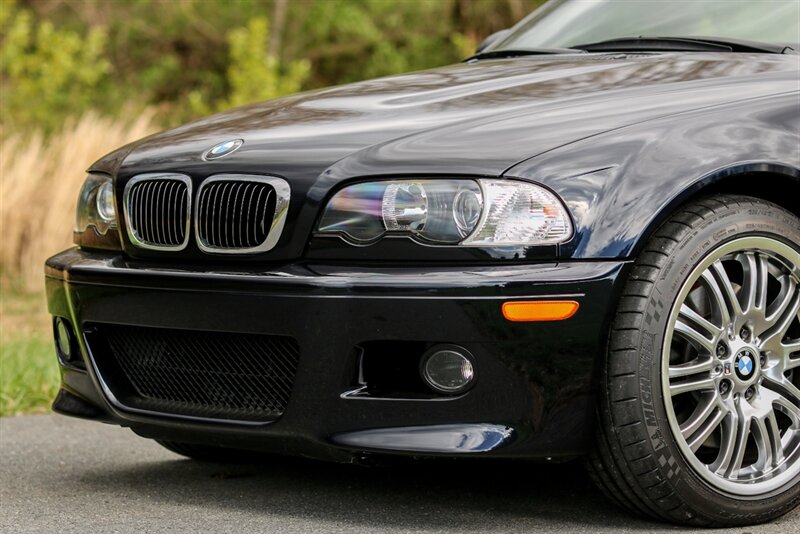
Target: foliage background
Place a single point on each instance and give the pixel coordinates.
(189, 57)
(79, 78)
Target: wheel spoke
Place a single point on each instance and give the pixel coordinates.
(791, 313)
(793, 347)
(754, 287)
(779, 305)
(762, 439)
(728, 441)
(775, 432)
(701, 414)
(691, 334)
(763, 284)
(691, 368)
(700, 321)
(767, 438)
(793, 394)
(784, 396)
(739, 446)
(704, 427)
(715, 293)
(771, 339)
(729, 294)
(696, 385)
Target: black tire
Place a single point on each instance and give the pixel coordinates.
(636, 458)
(211, 454)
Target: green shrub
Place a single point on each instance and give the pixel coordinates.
(192, 57)
(48, 74)
(253, 74)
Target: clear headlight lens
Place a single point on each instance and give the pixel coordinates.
(479, 212)
(96, 205)
(96, 214)
(105, 203)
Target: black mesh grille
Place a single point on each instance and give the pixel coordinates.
(234, 214)
(204, 374)
(157, 211)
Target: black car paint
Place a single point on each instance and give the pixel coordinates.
(497, 118)
(622, 138)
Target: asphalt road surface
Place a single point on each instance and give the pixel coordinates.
(64, 475)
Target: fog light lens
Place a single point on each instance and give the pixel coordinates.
(63, 339)
(448, 369)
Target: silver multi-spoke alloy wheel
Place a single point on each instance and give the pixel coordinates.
(699, 412)
(731, 367)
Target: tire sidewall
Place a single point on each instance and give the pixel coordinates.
(748, 218)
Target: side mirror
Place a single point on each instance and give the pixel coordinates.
(493, 38)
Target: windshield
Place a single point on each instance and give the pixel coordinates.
(568, 23)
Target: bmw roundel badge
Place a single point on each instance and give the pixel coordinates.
(744, 364)
(222, 149)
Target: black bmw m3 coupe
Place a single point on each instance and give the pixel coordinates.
(583, 241)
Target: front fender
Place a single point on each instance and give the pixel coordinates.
(621, 185)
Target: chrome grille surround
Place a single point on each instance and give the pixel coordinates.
(235, 188)
(154, 204)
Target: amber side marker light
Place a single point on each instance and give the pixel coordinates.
(539, 310)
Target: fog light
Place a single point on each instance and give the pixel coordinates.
(448, 369)
(64, 344)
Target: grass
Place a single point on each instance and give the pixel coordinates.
(28, 370)
(29, 379)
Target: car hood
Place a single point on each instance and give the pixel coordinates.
(478, 117)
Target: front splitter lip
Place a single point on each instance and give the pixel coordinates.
(433, 439)
(458, 439)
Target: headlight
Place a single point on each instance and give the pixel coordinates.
(96, 218)
(483, 212)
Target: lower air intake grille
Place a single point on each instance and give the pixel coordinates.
(214, 375)
(234, 215)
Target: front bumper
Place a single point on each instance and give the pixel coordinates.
(534, 394)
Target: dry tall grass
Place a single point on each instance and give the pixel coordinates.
(39, 184)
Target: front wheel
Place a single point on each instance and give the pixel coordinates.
(699, 419)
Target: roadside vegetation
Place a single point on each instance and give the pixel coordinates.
(40, 178)
(28, 374)
(79, 78)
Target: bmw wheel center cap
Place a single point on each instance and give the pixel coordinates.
(745, 364)
(222, 149)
